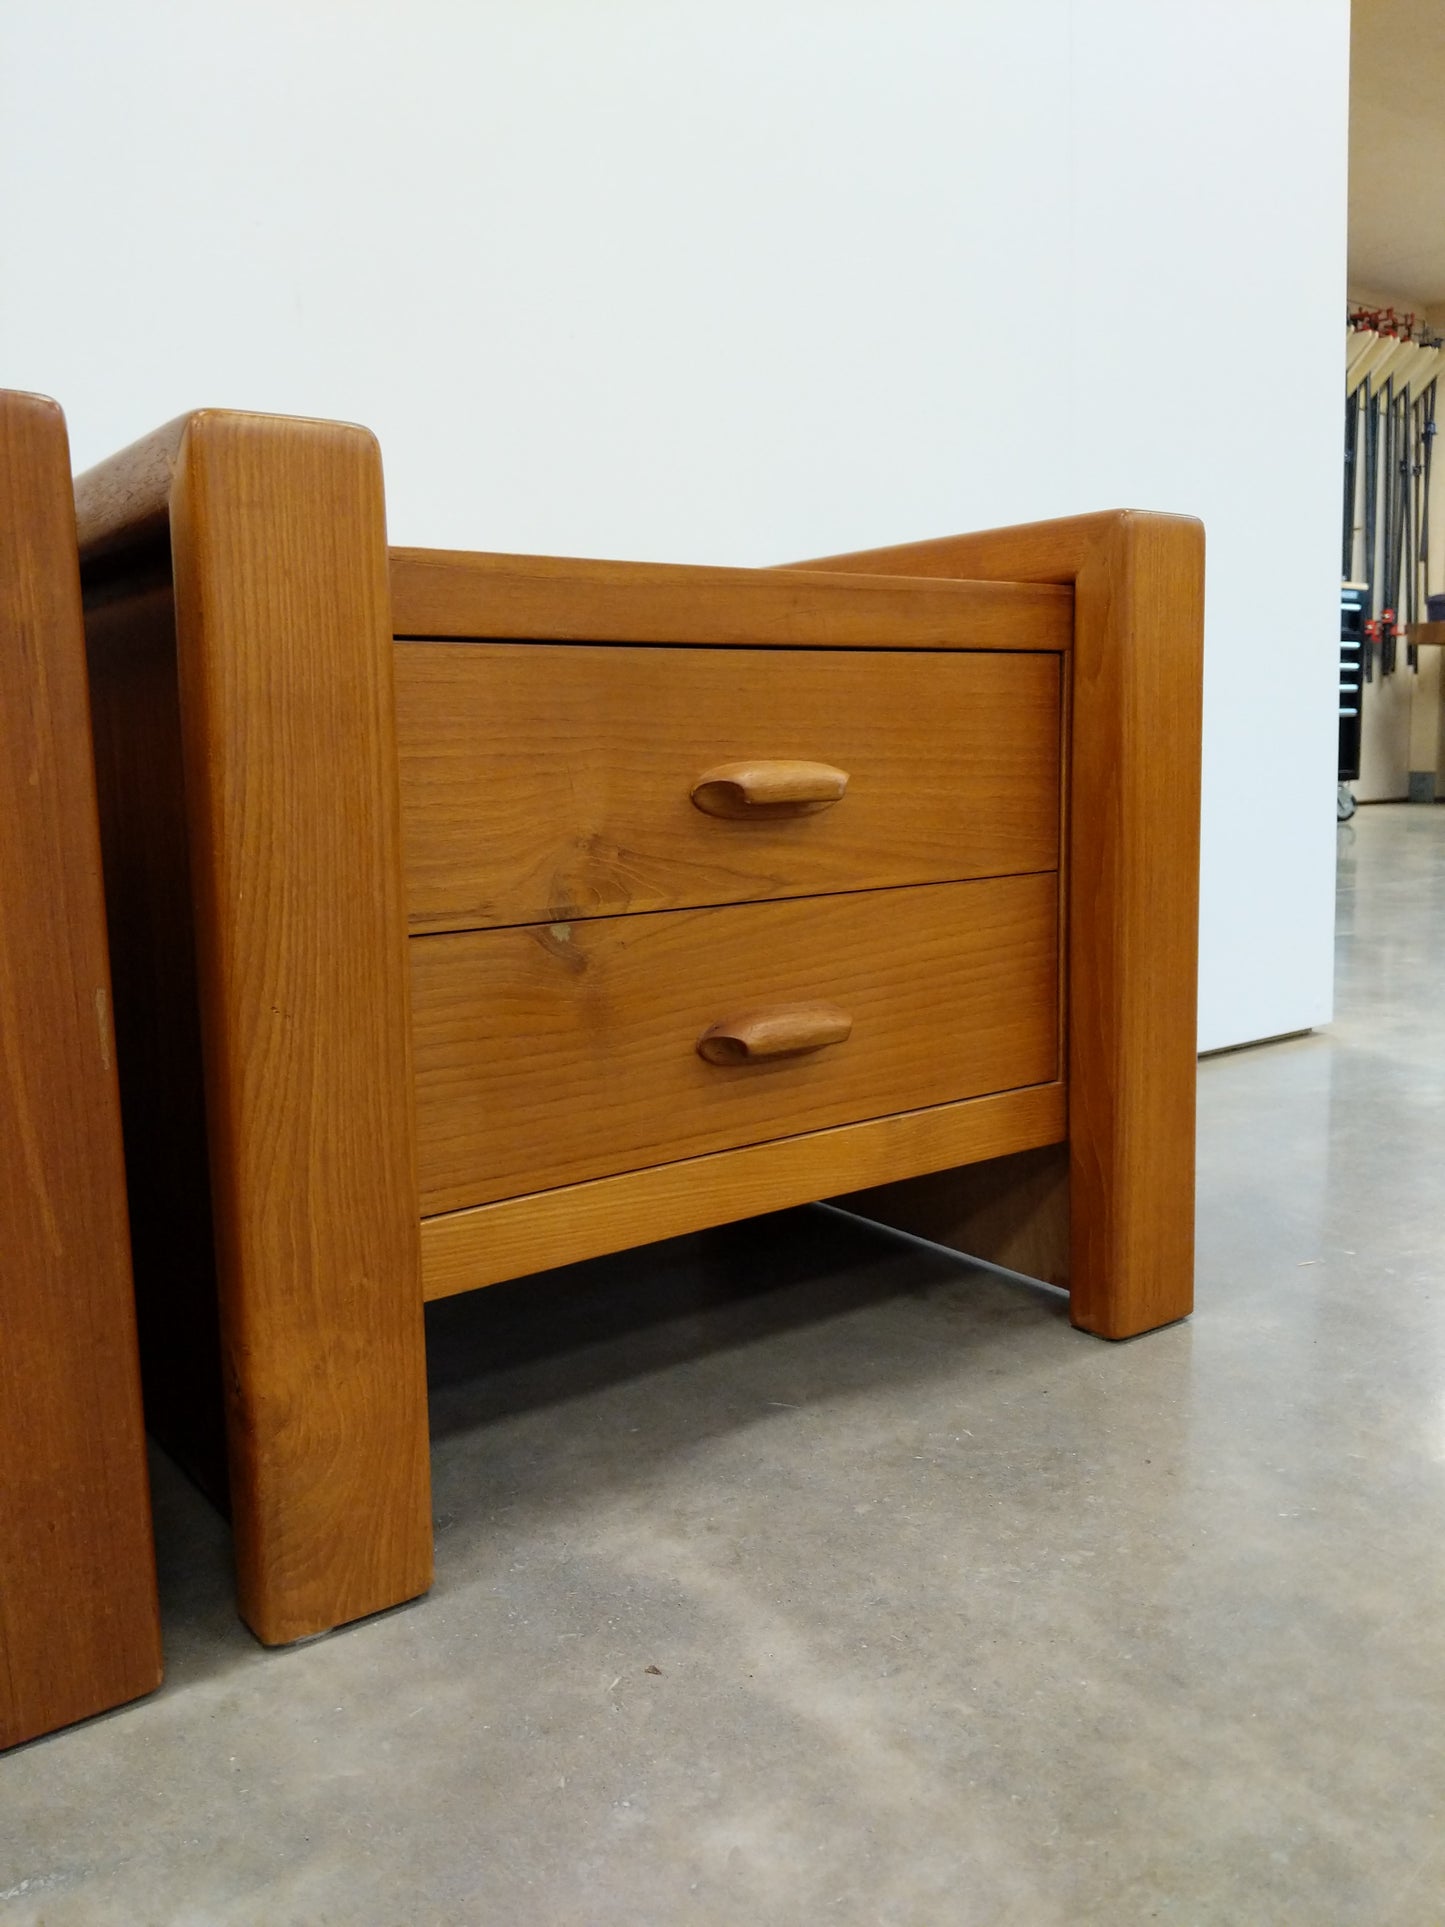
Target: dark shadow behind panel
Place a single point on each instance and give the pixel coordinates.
(130, 635)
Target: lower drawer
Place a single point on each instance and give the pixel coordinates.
(550, 1053)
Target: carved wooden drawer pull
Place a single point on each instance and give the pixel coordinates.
(777, 788)
(786, 1030)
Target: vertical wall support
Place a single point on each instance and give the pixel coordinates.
(284, 648)
(1132, 905)
(79, 1625)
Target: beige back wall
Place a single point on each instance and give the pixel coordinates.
(1397, 149)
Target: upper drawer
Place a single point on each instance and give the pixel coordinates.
(554, 781)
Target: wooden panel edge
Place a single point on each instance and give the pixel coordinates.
(1133, 885)
(125, 501)
(465, 1250)
(79, 1619)
(1036, 552)
(448, 594)
(1134, 922)
(284, 649)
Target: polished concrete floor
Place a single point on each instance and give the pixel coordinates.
(798, 1574)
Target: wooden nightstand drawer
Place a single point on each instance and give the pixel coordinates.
(557, 782)
(550, 1053)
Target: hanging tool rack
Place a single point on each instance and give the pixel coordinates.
(1392, 362)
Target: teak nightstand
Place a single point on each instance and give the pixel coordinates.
(481, 913)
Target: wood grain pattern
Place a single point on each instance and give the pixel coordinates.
(556, 783)
(1133, 867)
(551, 1053)
(286, 704)
(442, 592)
(1011, 1209)
(79, 1627)
(124, 504)
(464, 1250)
(556, 1058)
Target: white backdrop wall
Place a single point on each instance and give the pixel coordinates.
(739, 283)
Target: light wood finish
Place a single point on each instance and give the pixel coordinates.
(79, 1626)
(286, 717)
(556, 782)
(1431, 634)
(787, 1030)
(749, 791)
(463, 1250)
(1138, 582)
(543, 598)
(551, 1053)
